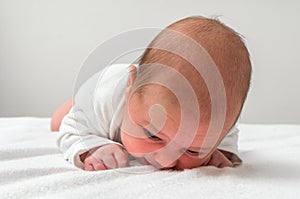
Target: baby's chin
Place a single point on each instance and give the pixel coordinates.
(143, 161)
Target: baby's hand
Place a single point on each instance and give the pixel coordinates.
(109, 156)
(218, 159)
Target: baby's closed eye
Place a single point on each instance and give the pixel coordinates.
(193, 153)
(152, 136)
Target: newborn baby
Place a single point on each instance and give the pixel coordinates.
(176, 109)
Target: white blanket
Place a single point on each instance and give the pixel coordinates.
(31, 166)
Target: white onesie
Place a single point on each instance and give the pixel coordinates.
(96, 116)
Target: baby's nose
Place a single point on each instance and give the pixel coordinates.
(166, 160)
(173, 165)
(170, 166)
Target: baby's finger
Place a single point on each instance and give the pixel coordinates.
(122, 159)
(99, 166)
(109, 162)
(225, 163)
(223, 160)
(88, 167)
(219, 160)
(213, 162)
(92, 159)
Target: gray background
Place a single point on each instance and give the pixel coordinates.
(44, 43)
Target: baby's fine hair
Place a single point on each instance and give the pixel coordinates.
(224, 46)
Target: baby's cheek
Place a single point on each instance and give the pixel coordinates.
(138, 145)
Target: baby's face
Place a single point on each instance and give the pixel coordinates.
(157, 141)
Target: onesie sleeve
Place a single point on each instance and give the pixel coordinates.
(80, 130)
(230, 144)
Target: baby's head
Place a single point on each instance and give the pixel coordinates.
(186, 94)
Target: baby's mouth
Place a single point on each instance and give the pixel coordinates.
(174, 168)
(144, 161)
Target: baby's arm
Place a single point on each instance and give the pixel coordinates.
(80, 132)
(77, 137)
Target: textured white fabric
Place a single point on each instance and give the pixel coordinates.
(31, 166)
(97, 114)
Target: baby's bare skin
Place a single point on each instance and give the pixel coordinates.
(60, 113)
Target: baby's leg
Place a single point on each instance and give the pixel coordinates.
(60, 113)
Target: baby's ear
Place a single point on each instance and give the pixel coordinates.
(131, 76)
